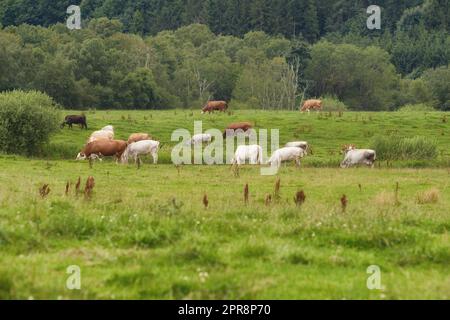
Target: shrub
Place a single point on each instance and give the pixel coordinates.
(27, 119)
(420, 107)
(333, 104)
(397, 148)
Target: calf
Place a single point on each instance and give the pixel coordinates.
(253, 153)
(355, 157)
(141, 148)
(74, 119)
(286, 154)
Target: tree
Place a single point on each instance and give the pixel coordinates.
(438, 82)
(362, 78)
(138, 90)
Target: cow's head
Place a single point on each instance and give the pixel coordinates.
(81, 156)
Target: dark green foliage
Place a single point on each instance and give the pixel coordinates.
(238, 51)
(27, 119)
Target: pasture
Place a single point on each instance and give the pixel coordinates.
(326, 132)
(146, 234)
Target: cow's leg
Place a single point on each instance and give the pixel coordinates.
(155, 158)
(297, 162)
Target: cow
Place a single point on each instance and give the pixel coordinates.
(108, 128)
(311, 105)
(300, 144)
(212, 106)
(141, 148)
(355, 157)
(101, 135)
(234, 128)
(103, 148)
(253, 153)
(199, 139)
(74, 119)
(286, 154)
(136, 137)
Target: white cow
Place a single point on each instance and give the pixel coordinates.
(199, 139)
(141, 148)
(299, 144)
(253, 153)
(355, 157)
(108, 128)
(287, 154)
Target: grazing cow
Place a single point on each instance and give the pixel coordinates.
(71, 120)
(287, 154)
(135, 137)
(108, 128)
(103, 148)
(236, 127)
(101, 135)
(311, 105)
(253, 153)
(141, 148)
(355, 157)
(212, 106)
(199, 139)
(300, 144)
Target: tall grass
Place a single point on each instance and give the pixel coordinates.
(331, 103)
(421, 107)
(390, 148)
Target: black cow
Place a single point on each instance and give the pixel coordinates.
(70, 120)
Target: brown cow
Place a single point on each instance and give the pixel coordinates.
(312, 105)
(106, 148)
(136, 137)
(212, 106)
(232, 128)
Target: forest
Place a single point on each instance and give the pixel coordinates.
(257, 54)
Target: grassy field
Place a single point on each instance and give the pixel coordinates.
(145, 233)
(325, 132)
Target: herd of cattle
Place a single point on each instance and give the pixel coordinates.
(101, 143)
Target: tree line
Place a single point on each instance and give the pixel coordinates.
(259, 54)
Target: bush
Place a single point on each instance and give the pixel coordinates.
(333, 104)
(27, 119)
(391, 148)
(420, 107)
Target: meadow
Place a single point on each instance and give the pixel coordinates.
(146, 234)
(326, 132)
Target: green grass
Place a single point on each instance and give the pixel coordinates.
(325, 132)
(146, 235)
